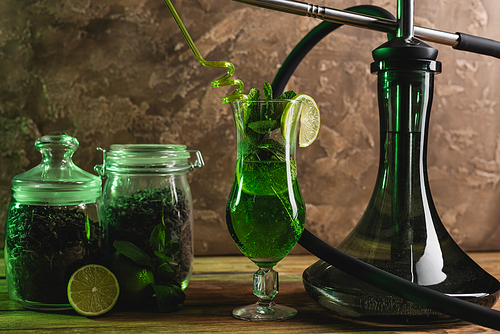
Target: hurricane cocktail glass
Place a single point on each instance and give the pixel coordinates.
(265, 212)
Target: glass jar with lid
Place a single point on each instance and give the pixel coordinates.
(147, 213)
(52, 226)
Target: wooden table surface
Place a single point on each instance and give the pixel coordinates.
(218, 285)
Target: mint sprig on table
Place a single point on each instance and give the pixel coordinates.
(258, 122)
(169, 295)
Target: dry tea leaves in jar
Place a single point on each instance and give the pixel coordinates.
(52, 226)
(148, 219)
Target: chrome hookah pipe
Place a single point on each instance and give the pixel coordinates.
(403, 28)
(406, 12)
(459, 41)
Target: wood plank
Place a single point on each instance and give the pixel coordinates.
(208, 309)
(218, 285)
(2, 265)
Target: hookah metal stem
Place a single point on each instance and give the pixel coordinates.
(458, 41)
(353, 19)
(423, 296)
(403, 237)
(406, 9)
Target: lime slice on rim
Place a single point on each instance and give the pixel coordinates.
(309, 119)
(93, 290)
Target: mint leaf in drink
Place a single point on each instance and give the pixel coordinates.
(259, 121)
(275, 110)
(247, 147)
(268, 95)
(280, 107)
(268, 91)
(254, 94)
(252, 112)
(263, 127)
(287, 95)
(271, 150)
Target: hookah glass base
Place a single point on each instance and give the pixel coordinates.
(400, 231)
(355, 299)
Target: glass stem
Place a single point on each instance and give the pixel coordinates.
(265, 287)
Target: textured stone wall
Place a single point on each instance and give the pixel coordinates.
(119, 71)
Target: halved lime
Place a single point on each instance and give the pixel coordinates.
(309, 119)
(93, 290)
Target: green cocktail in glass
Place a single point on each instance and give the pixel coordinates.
(265, 220)
(265, 212)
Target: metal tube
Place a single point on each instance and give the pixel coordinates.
(353, 19)
(406, 9)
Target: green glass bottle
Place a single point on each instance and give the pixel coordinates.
(400, 231)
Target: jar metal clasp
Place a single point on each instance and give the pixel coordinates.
(101, 169)
(199, 163)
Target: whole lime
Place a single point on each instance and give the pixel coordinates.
(135, 281)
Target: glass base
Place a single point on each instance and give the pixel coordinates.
(265, 287)
(35, 306)
(352, 299)
(258, 312)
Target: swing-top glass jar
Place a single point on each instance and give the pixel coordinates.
(147, 213)
(52, 226)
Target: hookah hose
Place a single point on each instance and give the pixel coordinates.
(423, 296)
(312, 38)
(400, 287)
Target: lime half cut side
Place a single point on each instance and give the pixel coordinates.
(310, 120)
(93, 290)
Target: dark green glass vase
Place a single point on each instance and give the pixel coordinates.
(400, 231)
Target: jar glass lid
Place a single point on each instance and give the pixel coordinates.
(56, 180)
(136, 158)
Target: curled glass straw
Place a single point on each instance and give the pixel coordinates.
(222, 81)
